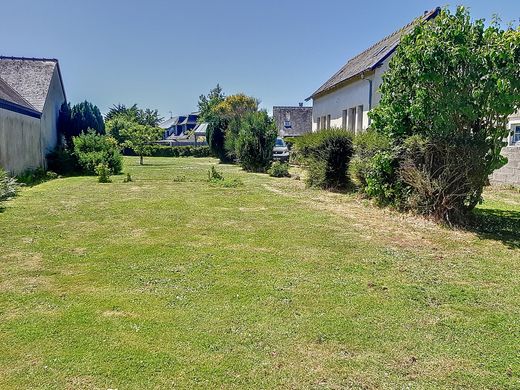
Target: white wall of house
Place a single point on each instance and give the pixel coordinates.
(348, 106)
(50, 114)
(20, 143)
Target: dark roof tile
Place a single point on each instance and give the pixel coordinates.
(373, 56)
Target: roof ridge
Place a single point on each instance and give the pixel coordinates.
(27, 58)
(391, 40)
(11, 89)
(424, 17)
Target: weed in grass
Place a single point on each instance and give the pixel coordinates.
(128, 178)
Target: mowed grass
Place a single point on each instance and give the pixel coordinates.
(172, 282)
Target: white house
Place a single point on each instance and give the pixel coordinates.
(346, 98)
(31, 95)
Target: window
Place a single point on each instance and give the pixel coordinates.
(515, 135)
(328, 121)
(318, 124)
(344, 117)
(359, 119)
(351, 119)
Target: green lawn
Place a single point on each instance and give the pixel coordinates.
(172, 282)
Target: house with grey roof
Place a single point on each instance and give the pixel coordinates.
(345, 99)
(31, 95)
(293, 121)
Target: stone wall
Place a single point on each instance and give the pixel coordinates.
(510, 173)
(300, 119)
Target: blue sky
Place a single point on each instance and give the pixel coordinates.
(164, 54)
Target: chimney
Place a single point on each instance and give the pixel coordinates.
(300, 104)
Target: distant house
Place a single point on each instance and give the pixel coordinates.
(346, 98)
(184, 130)
(31, 95)
(179, 125)
(293, 121)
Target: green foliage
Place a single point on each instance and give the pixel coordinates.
(231, 112)
(208, 103)
(128, 178)
(146, 117)
(382, 182)
(78, 119)
(214, 174)
(115, 127)
(326, 155)
(255, 142)
(215, 136)
(36, 176)
(8, 186)
(103, 172)
(181, 151)
(141, 139)
(366, 145)
(92, 149)
(279, 169)
(63, 161)
(453, 82)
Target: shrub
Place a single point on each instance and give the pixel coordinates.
(8, 186)
(103, 172)
(445, 102)
(36, 176)
(63, 161)
(326, 154)
(215, 135)
(443, 177)
(366, 145)
(255, 142)
(279, 169)
(92, 149)
(181, 151)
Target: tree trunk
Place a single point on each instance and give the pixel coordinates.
(141, 162)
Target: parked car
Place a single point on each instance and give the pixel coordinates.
(280, 150)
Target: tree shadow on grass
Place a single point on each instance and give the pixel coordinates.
(495, 224)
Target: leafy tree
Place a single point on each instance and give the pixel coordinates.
(141, 138)
(215, 136)
(77, 119)
(233, 110)
(135, 114)
(450, 88)
(255, 141)
(208, 103)
(115, 127)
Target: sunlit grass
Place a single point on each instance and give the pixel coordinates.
(172, 281)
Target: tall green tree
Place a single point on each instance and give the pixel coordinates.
(149, 117)
(255, 141)
(207, 103)
(446, 97)
(79, 118)
(232, 110)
